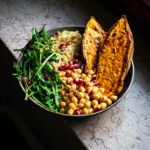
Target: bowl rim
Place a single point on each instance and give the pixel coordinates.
(81, 115)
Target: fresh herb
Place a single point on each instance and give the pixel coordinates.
(35, 65)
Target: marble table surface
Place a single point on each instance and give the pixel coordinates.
(127, 125)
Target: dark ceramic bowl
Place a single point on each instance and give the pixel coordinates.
(127, 84)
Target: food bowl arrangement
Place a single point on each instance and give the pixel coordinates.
(63, 78)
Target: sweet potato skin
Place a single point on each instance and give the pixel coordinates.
(92, 39)
(115, 57)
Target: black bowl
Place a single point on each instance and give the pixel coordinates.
(127, 83)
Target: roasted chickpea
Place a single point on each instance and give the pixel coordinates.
(63, 92)
(102, 90)
(80, 105)
(62, 73)
(86, 96)
(94, 89)
(109, 102)
(71, 106)
(103, 105)
(85, 111)
(96, 96)
(113, 97)
(83, 76)
(74, 100)
(91, 110)
(79, 71)
(74, 86)
(70, 112)
(81, 95)
(87, 79)
(81, 89)
(94, 103)
(64, 78)
(62, 110)
(74, 75)
(65, 98)
(62, 104)
(89, 76)
(105, 98)
(88, 104)
(82, 100)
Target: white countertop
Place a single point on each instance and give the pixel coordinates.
(127, 125)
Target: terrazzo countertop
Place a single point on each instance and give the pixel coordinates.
(127, 125)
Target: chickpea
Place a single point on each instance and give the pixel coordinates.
(63, 93)
(64, 78)
(74, 75)
(79, 71)
(81, 89)
(87, 79)
(83, 76)
(71, 106)
(95, 107)
(95, 89)
(91, 72)
(102, 90)
(86, 96)
(70, 112)
(65, 98)
(82, 100)
(96, 96)
(88, 104)
(94, 102)
(85, 111)
(62, 73)
(74, 100)
(109, 102)
(80, 105)
(81, 95)
(105, 98)
(74, 86)
(62, 104)
(103, 105)
(91, 110)
(113, 97)
(62, 110)
(90, 84)
(89, 89)
(89, 76)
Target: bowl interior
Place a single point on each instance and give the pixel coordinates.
(127, 83)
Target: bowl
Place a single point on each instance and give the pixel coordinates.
(127, 83)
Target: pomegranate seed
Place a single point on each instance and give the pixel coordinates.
(27, 79)
(68, 90)
(68, 75)
(76, 60)
(82, 66)
(71, 67)
(95, 83)
(93, 76)
(61, 68)
(85, 84)
(74, 70)
(68, 82)
(98, 108)
(76, 80)
(80, 82)
(76, 56)
(28, 82)
(76, 66)
(62, 47)
(55, 35)
(64, 66)
(77, 111)
(72, 61)
(54, 68)
(45, 76)
(69, 42)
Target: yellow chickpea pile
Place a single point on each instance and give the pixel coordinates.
(91, 99)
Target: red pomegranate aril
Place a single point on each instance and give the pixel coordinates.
(28, 82)
(68, 90)
(27, 79)
(93, 76)
(76, 80)
(68, 75)
(76, 60)
(64, 66)
(61, 68)
(72, 61)
(54, 69)
(62, 47)
(82, 66)
(45, 76)
(76, 56)
(98, 108)
(77, 111)
(68, 82)
(95, 83)
(69, 43)
(76, 66)
(55, 35)
(71, 67)
(80, 82)
(74, 70)
(85, 84)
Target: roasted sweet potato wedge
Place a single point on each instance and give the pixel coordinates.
(92, 39)
(115, 57)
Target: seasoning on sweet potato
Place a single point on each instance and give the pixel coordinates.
(92, 39)
(115, 57)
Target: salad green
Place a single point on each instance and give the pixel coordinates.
(40, 79)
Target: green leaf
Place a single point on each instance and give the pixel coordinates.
(44, 34)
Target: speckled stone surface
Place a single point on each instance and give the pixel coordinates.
(127, 125)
